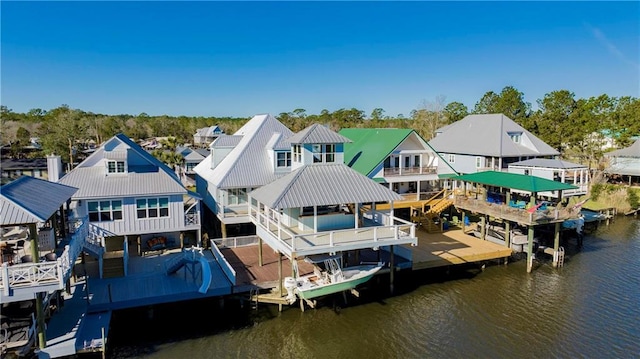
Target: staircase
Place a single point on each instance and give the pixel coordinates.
(113, 267)
(175, 265)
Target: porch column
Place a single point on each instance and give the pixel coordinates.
(63, 222)
(530, 253)
(483, 229)
(556, 243)
(126, 253)
(260, 251)
(418, 188)
(315, 218)
(35, 254)
(356, 206)
(391, 214)
(223, 228)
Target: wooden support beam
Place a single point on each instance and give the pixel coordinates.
(530, 249)
(260, 252)
(392, 268)
(556, 243)
(280, 273)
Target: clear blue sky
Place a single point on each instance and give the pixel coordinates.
(244, 58)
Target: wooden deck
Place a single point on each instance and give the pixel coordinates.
(244, 261)
(453, 247)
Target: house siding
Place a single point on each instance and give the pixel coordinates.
(130, 224)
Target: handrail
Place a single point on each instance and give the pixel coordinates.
(32, 275)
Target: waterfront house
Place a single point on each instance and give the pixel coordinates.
(555, 170)
(625, 162)
(134, 202)
(398, 158)
(257, 154)
(204, 136)
(487, 142)
(190, 159)
(39, 249)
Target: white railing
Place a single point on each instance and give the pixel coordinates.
(406, 171)
(234, 242)
(399, 231)
(27, 275)
(224, 264)
(192, 215)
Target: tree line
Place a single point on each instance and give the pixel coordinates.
(563, 121)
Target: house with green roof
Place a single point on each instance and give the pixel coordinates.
(398, 157)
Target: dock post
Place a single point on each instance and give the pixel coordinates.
(392, 267)
(556, 243)
(223, 228)
(462, 215)
(280, 273)
(483, 230)
(260, 251)
(507, 233)
(530, 249)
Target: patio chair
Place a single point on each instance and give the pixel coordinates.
(50, 257)
(26, 259)
(19, 246)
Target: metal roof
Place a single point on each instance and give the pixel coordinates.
(226, 141)
(631, 151)
(151, 178)
(514, 181)
(547, 163)
(31, 200)
(24, 164)
(370, 146)
(248, 164)
(322, 184)
(488, 135)
(319, 134)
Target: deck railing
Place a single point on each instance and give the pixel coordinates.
(524, 216)
(396, 231)
(409, 171)
(33, 275)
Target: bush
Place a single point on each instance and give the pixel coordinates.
(596, 190)
(633, 198)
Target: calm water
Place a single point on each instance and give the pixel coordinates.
(588, 309)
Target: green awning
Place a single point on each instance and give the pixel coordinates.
(514, 181)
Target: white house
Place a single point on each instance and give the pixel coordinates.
(130, 197)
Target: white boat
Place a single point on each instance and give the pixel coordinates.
(327, 278)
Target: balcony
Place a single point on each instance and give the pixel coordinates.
(21, 281)
(379, 230)
(409, 171)
(518, 215)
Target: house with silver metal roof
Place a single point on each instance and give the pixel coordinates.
(625, 162)
(130, 197)
(555, 170)
(488, 142)
(257, 154)
(204, 136)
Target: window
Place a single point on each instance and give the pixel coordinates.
(323, 153)
(478, 162)
(105, 211)
(152, 207)
(452, 158)
(237, 196)
(515, 136)
(283, 159)
(297, 153)
(115, 167)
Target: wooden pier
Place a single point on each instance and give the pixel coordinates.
(453, 247)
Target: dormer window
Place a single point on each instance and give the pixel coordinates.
(324, 153)
(283, 159)
(297, 153)
(515, 136)
(115, 167)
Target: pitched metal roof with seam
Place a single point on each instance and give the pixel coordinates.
(548, 163)
(31, 200)
(514, 181)
(631, 151)
(319, 134)
(320, 185)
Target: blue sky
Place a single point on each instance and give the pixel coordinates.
(244, 58)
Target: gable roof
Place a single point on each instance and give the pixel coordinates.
(317, 133)
(631, 151)
(488, 135)
(515, 181)
(248, 164)
(31, 200)
(370, 146)
(322, 184)
(154, 178)
(548, 163)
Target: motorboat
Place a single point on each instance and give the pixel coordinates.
(328, 277)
